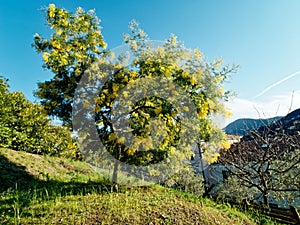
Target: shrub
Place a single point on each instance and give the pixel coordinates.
(24, 126)
(186, 180)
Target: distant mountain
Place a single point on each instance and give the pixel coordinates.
(290, 124)
(244, 126)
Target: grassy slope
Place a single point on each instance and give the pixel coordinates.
(59, 191)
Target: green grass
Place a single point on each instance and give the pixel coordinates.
(52, 190)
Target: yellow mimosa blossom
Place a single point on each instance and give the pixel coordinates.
(193, 81)
(197, 53)
(64, 60)
(172, 150)
(225, 145)
(121, 140)
(77, 71)
(125, 93)
(78, 56)
(100, 123)
(228, 114)
(56, 45)
(131, 151)
(185, 108)
(134, 45)
(65, 22)
(184, 74)
(94, 67)
(203, 110)
(167, 72)
(149, 157)
(115, 87)
(51, 10)
(51, 14)
(212, 158)
(149, 103)
(60, 12)
(211, 104)
(45, 57)
(51, 7)
(170, 123)
(158, 110)
(134, 114)
(68, 48)
(219, 79)
(98, 109)
(101, 98)
(104, 45)
(59, 31)
(112, 137)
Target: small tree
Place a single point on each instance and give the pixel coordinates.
(268, 166)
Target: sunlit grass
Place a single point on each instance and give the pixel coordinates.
(74, 193)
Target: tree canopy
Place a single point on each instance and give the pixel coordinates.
(164, 92)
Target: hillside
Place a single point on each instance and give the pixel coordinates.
(288, 125)
(52, 190)
(243, 126)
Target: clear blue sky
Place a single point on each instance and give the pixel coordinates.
(263, 37)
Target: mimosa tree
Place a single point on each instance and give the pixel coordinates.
(147, 105)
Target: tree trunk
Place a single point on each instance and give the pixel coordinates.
(115, 173)
(205, 183)
(266, 199)
(116, 167)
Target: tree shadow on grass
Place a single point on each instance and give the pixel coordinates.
(13, 175)
(20, 189)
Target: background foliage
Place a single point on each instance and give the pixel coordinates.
(25, 126)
